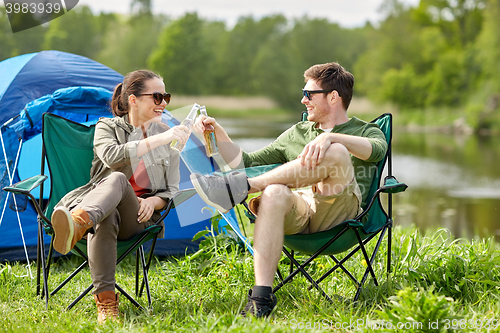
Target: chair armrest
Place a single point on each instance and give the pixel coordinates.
(26, 186)
(182, 195)
(251, 171)
(178, 198)
(391, 185)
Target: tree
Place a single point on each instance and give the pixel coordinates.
(459, 20)
(181, 56)
(484, 105)
(75, 32)
(127, 44)
(6, 40)
(239, 49)
(140, 7)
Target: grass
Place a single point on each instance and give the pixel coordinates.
(437, 284)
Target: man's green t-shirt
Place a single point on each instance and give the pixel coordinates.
(288, 146)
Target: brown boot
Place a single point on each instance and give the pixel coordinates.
(107, 306)
(69, 228)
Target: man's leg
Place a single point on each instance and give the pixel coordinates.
(276, 201)
(332, 175)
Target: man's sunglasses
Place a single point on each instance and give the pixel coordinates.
(159, 97)
(307, 93)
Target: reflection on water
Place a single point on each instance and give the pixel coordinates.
(454, 181)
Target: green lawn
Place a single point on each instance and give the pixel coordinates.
(436, 282)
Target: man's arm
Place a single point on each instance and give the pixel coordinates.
(356, 145)
(314, 151)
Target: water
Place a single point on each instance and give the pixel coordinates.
(454, 181)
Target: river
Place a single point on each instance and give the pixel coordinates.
(454, 181)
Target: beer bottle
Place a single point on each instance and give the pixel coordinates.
(188, 122)
(211, 147)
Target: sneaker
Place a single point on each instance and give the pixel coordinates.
(69, 227)
(259, 306)
(222, 192)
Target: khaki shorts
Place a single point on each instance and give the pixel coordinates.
(313, 212)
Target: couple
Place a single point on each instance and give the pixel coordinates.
(121, 200)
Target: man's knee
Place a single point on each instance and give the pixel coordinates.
(277, 196)
(337, 154)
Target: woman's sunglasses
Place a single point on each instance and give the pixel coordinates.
(159, 97)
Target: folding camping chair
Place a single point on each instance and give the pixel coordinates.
(68, 150)
(373, 221)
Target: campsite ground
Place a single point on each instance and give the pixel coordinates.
(437, 284)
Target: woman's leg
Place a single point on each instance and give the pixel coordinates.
(112, 205)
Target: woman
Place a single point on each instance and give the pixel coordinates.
(134, 173)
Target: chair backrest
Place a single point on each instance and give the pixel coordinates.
(68, 149)
(377, 217)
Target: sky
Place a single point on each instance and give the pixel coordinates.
(349, 14)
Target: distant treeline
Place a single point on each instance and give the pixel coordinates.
(442, 53)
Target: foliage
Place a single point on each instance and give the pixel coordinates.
(182, 56)
(68, 31)
(419, 306)
(438, 53)
(127, 44)
(218, 242)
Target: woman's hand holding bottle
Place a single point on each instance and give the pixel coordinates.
(179, 133)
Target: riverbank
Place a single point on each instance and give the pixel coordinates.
(437, 284)
(439, 120)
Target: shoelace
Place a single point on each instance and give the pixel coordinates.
(80, 221)
(258, 305)
(108, 309)
(217, 183)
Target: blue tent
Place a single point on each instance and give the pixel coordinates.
(79, 89)
(31, 76)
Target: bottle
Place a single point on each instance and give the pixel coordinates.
(211, 147)
(188, 122)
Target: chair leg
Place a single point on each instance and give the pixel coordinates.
(389, 247)
(75, 272)
(72, 275)
(145, 277)
(130, 298)
(38, 262)
(48, 259)
(369, 262)
(137, 272)
(300, 268)
(82, 295)
(148, 264)
(45, 290)
(340, 264)
(366, 255)
(278, 273)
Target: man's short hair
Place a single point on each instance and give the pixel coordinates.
(332, 76)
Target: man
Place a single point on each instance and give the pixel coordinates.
(333, 154)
